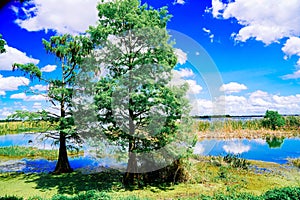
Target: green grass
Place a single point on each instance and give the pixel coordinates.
(208, 180)
(15, 127)
(31, 152)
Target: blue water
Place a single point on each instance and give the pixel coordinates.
(256, 149)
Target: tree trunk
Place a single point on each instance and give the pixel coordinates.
(131, 174)
(62, 165)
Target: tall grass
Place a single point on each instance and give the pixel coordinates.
(230, 125)
(31, 152)
(15, 127)
(292, 123)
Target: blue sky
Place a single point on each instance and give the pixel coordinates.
(239, 57)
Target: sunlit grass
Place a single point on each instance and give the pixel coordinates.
(31, 152)
(208, 179)
(23, 127)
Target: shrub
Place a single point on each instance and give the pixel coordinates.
(287, 193)
(273, 120)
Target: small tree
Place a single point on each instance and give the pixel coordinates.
(136, 106)
(70, 51)
(273, 120)
(2, 44)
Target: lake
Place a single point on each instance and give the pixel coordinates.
(276, 150)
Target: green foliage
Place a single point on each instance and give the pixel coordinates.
(31, 69)
(287, 193)
(274, 142)
(91, 195)
(273, 120)
(231, 160)
(2, 44)
(136, 106)
(292, 123)
(70, 52)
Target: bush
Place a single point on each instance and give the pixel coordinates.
(287, 193)
(273, 120)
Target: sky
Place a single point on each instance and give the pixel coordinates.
(239, 57)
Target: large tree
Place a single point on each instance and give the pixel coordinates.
(70, 51)
(136, 105)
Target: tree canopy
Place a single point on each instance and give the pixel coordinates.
(70, 51)
(136, 105)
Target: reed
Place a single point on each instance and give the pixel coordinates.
(14, 127)
(32, 152)
(292, 123)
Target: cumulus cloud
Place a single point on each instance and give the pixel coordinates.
(39, 88)
(48, 68)
(185, 72)
(194, 88)
(233, 87)
(236, 148)
(62, 16)
(253, 103)
(264, 20)
(12, 83)
(181, 56)
(178, 79)
(12, 56)
(292, 46)
(24, 97)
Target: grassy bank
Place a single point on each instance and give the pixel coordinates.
(15, 127)
(18, 152)
(209, 179)
(251, 129)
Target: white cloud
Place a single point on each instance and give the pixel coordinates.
(18, 96)
(48, 68)
(254, 103)
(181, 56)
(295, 75)
(179, 2)
(233, 87)
(24, 97)
(264, 20)
(37, 105)
(12, 56)
(2, 93)
(236, 148)
(12, 83)
(39, 87)
(177, 80)
(194, 88)
(211, 36)
(298, 63)
(69, 17)
(185, 72)
(292, 46)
